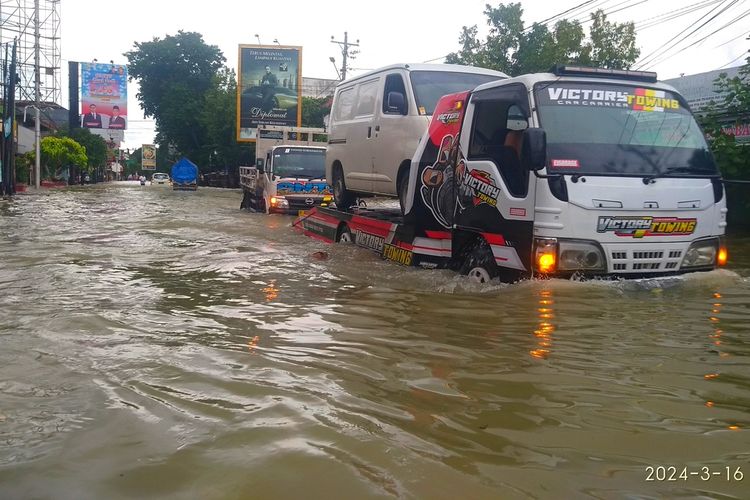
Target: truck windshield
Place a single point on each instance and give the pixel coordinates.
(309, 163)
(429, 86)
(609, 129)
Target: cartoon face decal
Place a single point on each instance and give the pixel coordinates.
(437, 184)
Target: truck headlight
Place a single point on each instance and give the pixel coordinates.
(576, 255)
(279, 202)
(701, 254)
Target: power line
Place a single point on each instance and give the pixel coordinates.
(743, 15)
(673, 14)
(586, 18)
(666, 55)
(544, 22)
(662, 50)
(560, 14)
(735, 59)
(733, 39)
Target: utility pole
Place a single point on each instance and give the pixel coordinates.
(37, 103)
(345, 51)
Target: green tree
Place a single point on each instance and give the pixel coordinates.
(61, 152)
(95, 146)
(175, 73)
(515, 50)
(219, 117)
(732, 157)
(314, 110)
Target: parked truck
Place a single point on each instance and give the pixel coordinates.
(577, 172)
(289, 173)
(184, 175)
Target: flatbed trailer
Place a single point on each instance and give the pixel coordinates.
(385, 232)
(382, 231)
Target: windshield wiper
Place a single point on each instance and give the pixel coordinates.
(675, 170)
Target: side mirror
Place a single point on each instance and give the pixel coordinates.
(396, 103)
(534, 152)
(259, 164)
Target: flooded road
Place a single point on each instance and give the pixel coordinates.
(159, 344)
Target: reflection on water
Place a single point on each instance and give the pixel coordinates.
(546, 327)
(147, 333)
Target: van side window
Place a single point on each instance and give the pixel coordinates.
(368, 92)
(394, 83)
(345, 104)
(496, 136)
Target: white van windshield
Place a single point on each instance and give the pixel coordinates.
(620, 130)
(429, 86)
(308, 163)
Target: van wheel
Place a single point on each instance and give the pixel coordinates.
(479, 264)
(343, 198)
(403, 189)
(344, 235)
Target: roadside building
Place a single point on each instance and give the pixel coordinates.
(699, 91)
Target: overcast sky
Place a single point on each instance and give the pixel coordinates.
(389, 31)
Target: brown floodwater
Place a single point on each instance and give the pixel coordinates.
(159, 344)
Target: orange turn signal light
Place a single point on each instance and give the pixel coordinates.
(274, 200)
(723, 256)
(546, 262)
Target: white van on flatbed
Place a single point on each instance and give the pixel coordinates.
(377, 120)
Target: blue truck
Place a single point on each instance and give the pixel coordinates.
(184, 175)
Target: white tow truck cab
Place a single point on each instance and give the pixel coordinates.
(289, 172)
(580, 171)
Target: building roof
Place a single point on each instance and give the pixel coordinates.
(53, 116)
(698, 90)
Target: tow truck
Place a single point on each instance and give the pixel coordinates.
(289, 173)
(579, 172)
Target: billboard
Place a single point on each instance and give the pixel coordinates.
(269, 88)
(104, 96)
(148, 157)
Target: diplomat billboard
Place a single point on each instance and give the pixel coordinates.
(104, 96)
(269, 88)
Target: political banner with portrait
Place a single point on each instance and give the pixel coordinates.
(148, 157)
(269, 88)
(104, 96)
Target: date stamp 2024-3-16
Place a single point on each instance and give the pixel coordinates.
(672, 473)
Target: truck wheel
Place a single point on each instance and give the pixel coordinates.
(403, 189)
(344, 235)
(479, 264)
(343, 197)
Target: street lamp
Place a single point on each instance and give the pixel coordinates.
(333, 61)
(258, 37)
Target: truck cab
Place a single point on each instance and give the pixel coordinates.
(289, 173)
(581, 171)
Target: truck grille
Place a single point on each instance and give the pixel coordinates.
(624, 259)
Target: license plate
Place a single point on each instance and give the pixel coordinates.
(301, 213)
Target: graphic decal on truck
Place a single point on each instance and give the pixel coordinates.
(437, 184)
(398, 254)
(638, 227)
(481, 187)
(301, 187)
(637, 99)
(368, 240)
